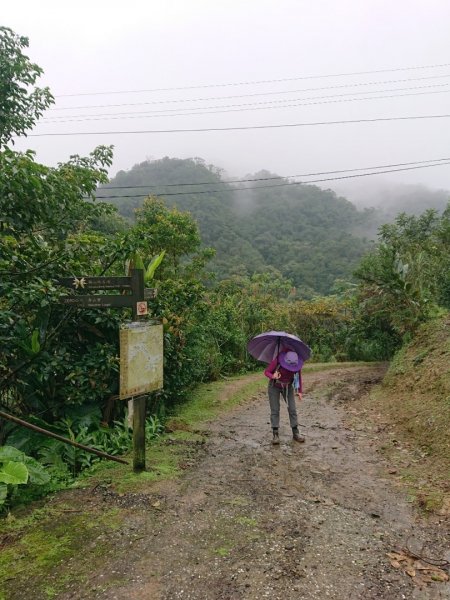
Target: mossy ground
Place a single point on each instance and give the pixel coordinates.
(37, 544)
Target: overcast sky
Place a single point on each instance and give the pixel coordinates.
(101, 47)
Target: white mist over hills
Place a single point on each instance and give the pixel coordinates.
(392, 198)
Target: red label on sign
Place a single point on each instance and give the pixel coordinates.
(141, 308)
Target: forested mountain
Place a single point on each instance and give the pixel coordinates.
(307, 234)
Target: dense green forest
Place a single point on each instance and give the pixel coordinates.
(299, 231)
(267, 224)
(59, 364)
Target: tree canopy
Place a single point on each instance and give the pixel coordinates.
(308, 235)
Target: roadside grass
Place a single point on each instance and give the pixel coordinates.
(313, 367)
(162, 463)
(211, 399)
(411, 409)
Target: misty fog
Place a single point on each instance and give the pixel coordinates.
(266, 65)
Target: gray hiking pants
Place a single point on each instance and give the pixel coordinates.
(274, 401)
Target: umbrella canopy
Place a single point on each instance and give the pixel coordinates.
(266, 346)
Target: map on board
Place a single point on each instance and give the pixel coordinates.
(141, 359)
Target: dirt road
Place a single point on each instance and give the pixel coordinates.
(250, 521)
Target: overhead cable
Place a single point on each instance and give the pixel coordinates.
(255, 82)
(263, 187)
(206, 111)
(273, 93)
(243, 127)
(417, 162)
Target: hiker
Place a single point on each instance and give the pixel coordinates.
(284, 373)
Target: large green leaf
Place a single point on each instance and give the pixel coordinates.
(150, 272)
(15, 473)
(8, 453)
(38, 475)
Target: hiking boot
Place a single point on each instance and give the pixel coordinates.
(297, 437)
(276, 438)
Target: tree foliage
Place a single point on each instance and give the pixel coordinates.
(406, 278)
(45, 234)
(47, 358)
(306, 234)
(21, 104)
(159, 228)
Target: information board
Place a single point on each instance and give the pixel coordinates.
(141, 358)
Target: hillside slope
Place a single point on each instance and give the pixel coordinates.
(412, 412)
(301, 231)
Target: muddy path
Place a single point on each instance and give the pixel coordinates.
(251, 521)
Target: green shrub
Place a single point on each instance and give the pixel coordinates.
(18, 469)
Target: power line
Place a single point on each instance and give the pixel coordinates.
(314, 89)
(256, 82)
(282, 101)
(199, 111)
(242, 128)
(263, 187)
(417, 162)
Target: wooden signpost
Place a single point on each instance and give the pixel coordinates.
(131, 294)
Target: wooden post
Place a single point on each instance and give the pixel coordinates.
(139, 434)
(130, 412)
(139, 408)
(137, 289)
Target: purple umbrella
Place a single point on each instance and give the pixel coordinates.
(266, 346)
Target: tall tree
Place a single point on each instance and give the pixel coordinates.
(21, 103)
(44, 233)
